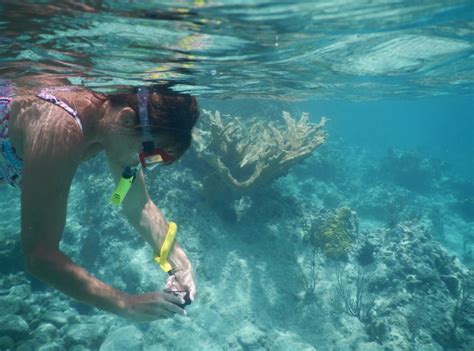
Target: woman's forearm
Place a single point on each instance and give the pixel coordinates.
(152, 226)
(57, 270)
(150, 223)
(178, 259)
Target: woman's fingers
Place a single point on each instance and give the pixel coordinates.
(182, 281)
(171, 307)
(169, 302)
(173, 298)
(192, 293)
(152, 306)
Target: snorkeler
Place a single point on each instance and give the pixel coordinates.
(44, 138)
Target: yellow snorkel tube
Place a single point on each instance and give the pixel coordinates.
(123, 186)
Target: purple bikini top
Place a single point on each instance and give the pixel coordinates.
(46, 96)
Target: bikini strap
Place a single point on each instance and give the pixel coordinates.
(58, 102)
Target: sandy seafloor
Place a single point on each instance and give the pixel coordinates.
(252, 256)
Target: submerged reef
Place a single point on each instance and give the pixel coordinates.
(352, 253)
(465, 207)
(423, 295)
(411, 170)
(334, 233)
(399, 285)
(248, 154)
(463, 197)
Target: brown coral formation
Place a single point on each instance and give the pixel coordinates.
(247, 154)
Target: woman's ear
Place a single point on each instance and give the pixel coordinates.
(127, 117)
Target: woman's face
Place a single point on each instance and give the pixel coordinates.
(123, 142)
(125, 148)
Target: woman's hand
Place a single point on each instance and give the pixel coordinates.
(151, 306)
(182, 282)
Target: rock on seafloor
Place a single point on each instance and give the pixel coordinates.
(14, 327)
(128, 338)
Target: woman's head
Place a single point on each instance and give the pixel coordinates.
(171, 117)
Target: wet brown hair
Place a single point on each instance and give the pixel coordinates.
(171, 114)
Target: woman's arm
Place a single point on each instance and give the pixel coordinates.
(148, 220)
(49, 166)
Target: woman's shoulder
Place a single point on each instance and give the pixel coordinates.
(45, 120)
(51, 101)
(28, 108)
(23, 105)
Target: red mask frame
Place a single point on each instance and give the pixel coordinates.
(150, 160)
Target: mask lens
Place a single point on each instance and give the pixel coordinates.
(153, 159)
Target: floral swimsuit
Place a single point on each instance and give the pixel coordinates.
(10, 163)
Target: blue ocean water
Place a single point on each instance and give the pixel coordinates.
(364, 243)
(439, 127)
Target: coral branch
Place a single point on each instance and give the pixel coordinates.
(253, 153)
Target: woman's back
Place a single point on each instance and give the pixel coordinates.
(47, 119)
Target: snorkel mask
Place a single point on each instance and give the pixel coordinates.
(149, 157)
